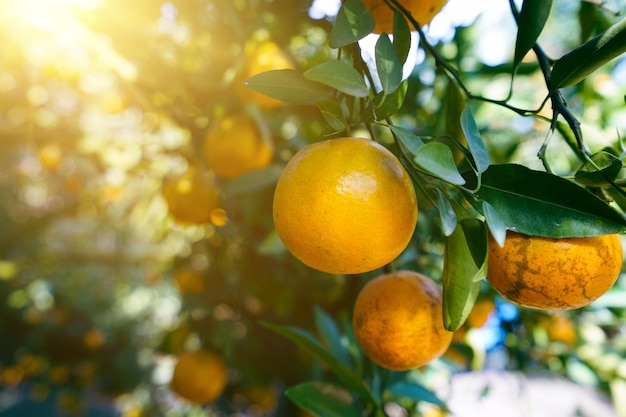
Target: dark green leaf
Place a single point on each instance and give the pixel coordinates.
(588, 57)
(437, 159)
(401, 36)
(347, 376)
(289, 86)
(387, 64)
(415, 391)
(332, 113)
(409, 141)
(353, 22)
(609, 167)
(388, 104)
(465, 265)
(446, 213)
(340, 76)
(532, 19)
(495, 223)
(474, 140)
(542, 204)
(331, 335)
(323, 399)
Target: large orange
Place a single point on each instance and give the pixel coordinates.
(345, 206)
(192, 197)
(235, 145)
(199, 376)
(261, 57)
(422, 10)
(554, 274)
(398, 321)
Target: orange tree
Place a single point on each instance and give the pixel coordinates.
(113, 267)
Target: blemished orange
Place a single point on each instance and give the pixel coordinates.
(422, 10)
(192, 197)
(345, 206)
(261, 57)
(235, 145)
(398, 321)
(199, 376)
(554, 274)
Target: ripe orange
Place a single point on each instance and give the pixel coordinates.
(199, 376)
(398, 321)
(235, 145)
(554, 274)
(345, 206)
(422, 10)
(261, 57)
(480, 313)
(192, 197)
(560, 328)
(189, 281)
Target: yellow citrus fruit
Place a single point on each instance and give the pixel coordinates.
(398, 321)
(561, 329)
(235, 145)
(189, 281)
(554, 274)
(480, 313)
(199, 376)
(192, 197)
(345, 206)
(422, 10)
(261, 57)
(94, 338)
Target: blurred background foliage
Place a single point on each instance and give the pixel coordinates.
(103, 102)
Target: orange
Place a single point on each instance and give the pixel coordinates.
(422, 10)
(398, 321)
(234, 145)
(560, 328)
(480, 313)
(345, 206)
(192, 196)
(199, 376)
(94, 338)
(261, 57)
(189, 281)
(554, 274)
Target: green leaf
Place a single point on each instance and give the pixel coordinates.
(532, 19)
(465, 266)
(588, 57)
(609, 165)
(387, 64)
(474, 140)
(495, 223)
(347, 376)
(388, 104)
(289, 86)
(340, 76)
(253, 181)
(437, 159)
(401, 36)
(323, 399)
(543, 204)
(409, 141)
(415, 391)
(446, 213)
(331, 335)
(353, 22)
(332, 113)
